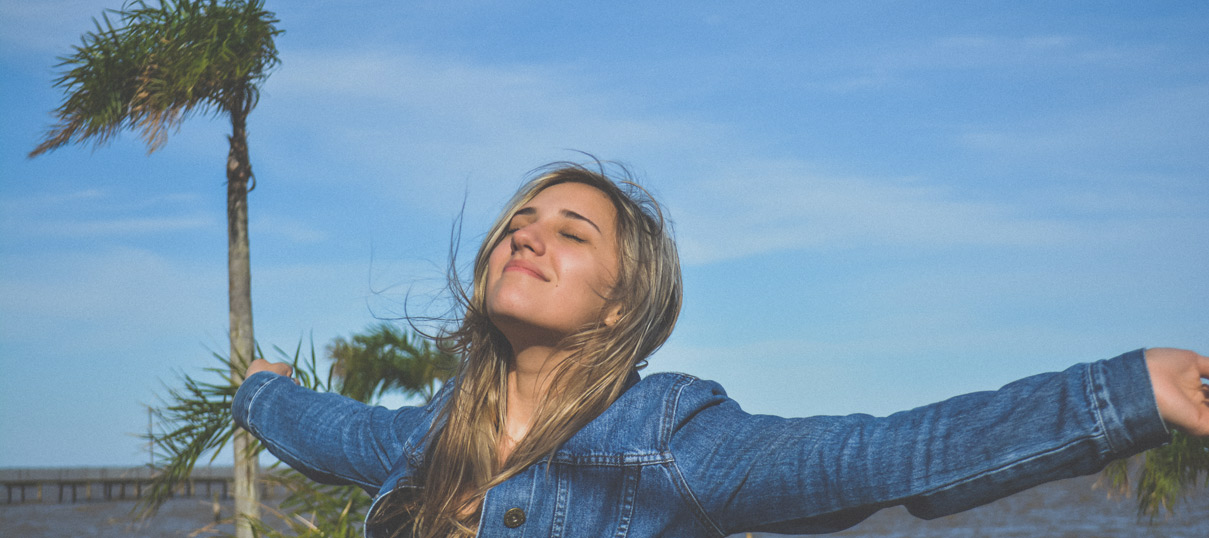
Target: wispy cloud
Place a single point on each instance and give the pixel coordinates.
(292, 229)
(421, 112)
(48, 200)
(108, 294)
(49, 27)
(1162, 122)
(123, 226)
(782, 206)
(93, 213)
(894, 65)
(761, 207)
(393, 111)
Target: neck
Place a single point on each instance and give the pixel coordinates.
(528, 383)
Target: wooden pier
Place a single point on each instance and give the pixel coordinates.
(81, 484)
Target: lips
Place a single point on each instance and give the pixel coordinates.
(525, 267)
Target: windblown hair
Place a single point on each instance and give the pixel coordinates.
(462, 462)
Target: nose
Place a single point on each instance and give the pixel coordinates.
(531, 237)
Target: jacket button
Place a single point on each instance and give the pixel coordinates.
(514, 518)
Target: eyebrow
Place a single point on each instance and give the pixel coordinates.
(565, 212)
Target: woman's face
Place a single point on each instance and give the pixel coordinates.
(552, 271)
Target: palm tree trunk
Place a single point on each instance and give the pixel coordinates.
(239, 275)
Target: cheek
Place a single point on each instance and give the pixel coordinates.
(495, 263)
(496, 260)
(596, 282)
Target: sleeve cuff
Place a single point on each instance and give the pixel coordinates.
(1125, 404)
(241, 405)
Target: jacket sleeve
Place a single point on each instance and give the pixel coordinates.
(823, 474)
(327, 437)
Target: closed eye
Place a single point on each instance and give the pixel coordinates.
(573, 237)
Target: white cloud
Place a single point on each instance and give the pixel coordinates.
(904, 63)
(97, 213)
(1164, 123)
(867, 374)
(50, 26)
(986, 51)
(292, 229)
(105, 297)
(773, 207)
(428, 123)
(124, 226)
(50, 200)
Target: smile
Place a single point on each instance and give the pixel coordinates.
(525, 267)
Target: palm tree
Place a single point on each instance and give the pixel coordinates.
(162, 64)
(385, 359)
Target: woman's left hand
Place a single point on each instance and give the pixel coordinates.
(1183, 397)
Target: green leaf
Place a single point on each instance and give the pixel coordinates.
(194, 422)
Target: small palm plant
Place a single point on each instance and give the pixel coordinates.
(195, 420)
(1163, 476)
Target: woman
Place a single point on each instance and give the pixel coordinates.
(548, 431)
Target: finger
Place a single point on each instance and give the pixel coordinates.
(261, 365)
(257, 365)
(1202, 364)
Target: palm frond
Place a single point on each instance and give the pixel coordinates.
(1163, 476)
(386, 359)
(194, 421)
(161, 65)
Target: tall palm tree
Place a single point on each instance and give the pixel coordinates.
(159, 66)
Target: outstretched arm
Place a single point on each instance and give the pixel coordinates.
(823, 474)
(326, 436)
(1177, 376)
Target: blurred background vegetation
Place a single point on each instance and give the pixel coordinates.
(194, 423)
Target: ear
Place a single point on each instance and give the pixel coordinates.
(612, 316)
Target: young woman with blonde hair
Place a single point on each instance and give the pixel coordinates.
(547, 430)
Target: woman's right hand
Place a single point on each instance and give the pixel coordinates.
(261, 365)
(1178, 377)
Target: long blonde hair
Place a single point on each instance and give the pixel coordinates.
(463, 463)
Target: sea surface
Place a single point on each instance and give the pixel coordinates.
(1066, 509)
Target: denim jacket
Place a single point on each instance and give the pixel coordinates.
(674, 456)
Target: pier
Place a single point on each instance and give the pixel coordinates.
(82, 484)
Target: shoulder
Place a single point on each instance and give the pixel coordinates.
(669, 394)
(674, 392)
(644, 418)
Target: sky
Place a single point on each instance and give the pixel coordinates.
(878, 204)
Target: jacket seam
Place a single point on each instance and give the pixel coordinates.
(251, 424)
(1006, 466)
(1093, 395)
(686, 490)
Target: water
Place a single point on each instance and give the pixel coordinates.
(1066, 509)
(99, 519)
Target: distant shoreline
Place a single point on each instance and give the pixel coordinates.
(66, 485)
(1069, 508)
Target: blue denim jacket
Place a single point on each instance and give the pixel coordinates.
(673, 456)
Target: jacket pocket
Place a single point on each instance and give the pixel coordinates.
(595, 500)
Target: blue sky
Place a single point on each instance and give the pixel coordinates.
(878, 204)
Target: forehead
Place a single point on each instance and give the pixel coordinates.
(579, 198)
